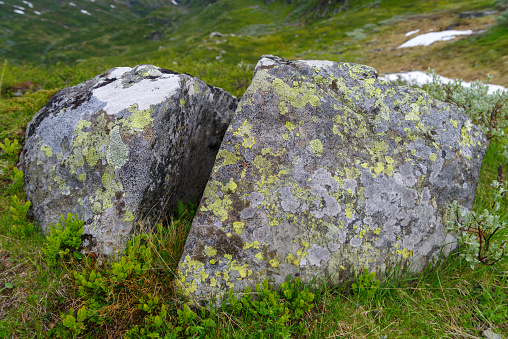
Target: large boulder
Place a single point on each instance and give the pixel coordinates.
(120, 149)
(326, 170)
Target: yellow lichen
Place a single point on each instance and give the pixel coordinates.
(238, 226)
(47, 150)
(317, 147)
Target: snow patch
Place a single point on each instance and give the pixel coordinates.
(37, 12)
(72, 4)
(29, 4)
(112, 6)
(2, 3)
(19, 7)
(19, 12)
(428, 39)
(421, 78)
(85, 12)
(174, 2)
(412, 32)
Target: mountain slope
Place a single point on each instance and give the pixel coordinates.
(364, 31)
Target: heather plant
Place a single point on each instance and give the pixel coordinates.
(489, 112)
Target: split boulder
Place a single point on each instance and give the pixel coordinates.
(326, 170)
(119, 150)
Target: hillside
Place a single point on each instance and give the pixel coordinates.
(116, 33)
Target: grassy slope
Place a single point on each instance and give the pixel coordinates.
(452, 300)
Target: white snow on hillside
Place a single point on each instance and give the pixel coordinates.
(29, 4)
(174, 2)
(19, 12)
(85, 12)
(19, 7)
(421, 78)
(429, 38)
(412, 32)
(37, 12)
(2, 3)
(72, 4)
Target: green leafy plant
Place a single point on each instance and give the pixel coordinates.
(489, 112)
(155, 322)
(64, 240)
(10, 147)
(20, 226)
(480, 234)
(73, 323)
(366, 285)
(16, 177)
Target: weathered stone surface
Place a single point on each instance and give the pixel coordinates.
(325, 169)
(119, 150)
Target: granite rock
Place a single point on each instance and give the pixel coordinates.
(326, 170)
(118, 150)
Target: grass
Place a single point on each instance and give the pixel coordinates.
(449, 301)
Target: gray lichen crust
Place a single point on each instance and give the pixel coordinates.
(324, 169)
(118, 150)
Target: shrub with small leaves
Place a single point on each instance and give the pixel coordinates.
(10, 147)
(20, 227)
(73, 323)
(480, 234)
(488, 111)
(366, 285)
(16, 177)
(64, 239)
(155, 320)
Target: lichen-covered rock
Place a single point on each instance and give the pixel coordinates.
(119, 150)
(325, 169)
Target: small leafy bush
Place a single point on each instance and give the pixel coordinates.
(155, 320)
(64, 240)
(136, 261)
(489, 112)
(275, 313)
(20, 226)
(480, 234)
(16, 184)
(74, 324)
(10, 147)
(278, 313)
(366, 285)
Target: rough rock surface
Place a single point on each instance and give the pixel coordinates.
(119, 150)
(325, 169)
